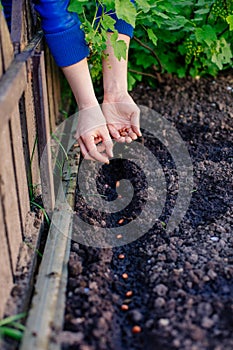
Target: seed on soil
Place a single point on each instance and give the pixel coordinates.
(129, 293)
(125, 275)
(118, 184)
(119, 196)
(124, 307)
(76, 145)
(119, 236)
(121, 256)
(120, 221)
(136, 329)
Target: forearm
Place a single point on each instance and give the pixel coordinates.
(79, 79)
(115, 72)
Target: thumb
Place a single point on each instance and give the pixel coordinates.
(135, 122)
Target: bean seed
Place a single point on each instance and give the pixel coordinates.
(121, 256)
(124, 307)
(136, 329)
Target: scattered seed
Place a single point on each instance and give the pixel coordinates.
(136, 329)
(120, 221)
(76, 145)
(121, 256)
(125, 276)
(124, 307)
(127, 301)
(118, 184)
(129, 293)
(119, 236)
(119, 196)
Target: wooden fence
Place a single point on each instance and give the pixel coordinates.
(29, 99)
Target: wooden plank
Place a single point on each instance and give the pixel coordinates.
(8, 192)
(7, 47)
(57, 91)
(13, 82)
(51, 97)
(6, 278)
(18, 25)
(47, 312)
(43, 127)
(20, 169)
(28, 122)
(1, 63)
(12, 86)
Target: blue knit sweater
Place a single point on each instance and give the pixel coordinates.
(63, 34)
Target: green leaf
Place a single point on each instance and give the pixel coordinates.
(77, 6)
(144, 5)
(126, 10)
(206, 34)
(107, 22)
(131, 81)
(177, 23)
(152, 36)
(229, 20)
(223, 53)
(119, 46)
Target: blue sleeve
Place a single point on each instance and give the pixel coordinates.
(121, 26)
(65, 38)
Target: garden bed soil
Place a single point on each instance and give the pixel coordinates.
(179, 290)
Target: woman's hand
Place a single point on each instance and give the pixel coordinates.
(93, 136)
(92, 132)
(122, 118)
(120, 111)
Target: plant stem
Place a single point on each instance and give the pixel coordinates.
(142, 73)
(151, 50)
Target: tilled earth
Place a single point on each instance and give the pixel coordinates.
(164, 290)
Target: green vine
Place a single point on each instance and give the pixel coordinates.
(184, 37)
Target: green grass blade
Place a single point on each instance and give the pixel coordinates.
(11, 319)
(11, 332)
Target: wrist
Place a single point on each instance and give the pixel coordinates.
(116, 96)
(86, 102)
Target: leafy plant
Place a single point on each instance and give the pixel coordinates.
(184, 37)
(10, 327)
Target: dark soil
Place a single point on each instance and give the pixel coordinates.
(182, 282)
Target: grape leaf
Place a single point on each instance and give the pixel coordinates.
(152, 36)
(229, 20)
(206, 34)
(126, 10)
(119, 46)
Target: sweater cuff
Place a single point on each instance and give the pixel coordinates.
(123, 27)
(71, 43)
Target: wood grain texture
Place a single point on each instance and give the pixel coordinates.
(8, 190)
(6, 278)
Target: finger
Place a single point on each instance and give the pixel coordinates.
(132, 134)
(128, 139)
(115, 133)
(84, 150)
(93, 152)
(107, 141)
(135, 122)
(109, 146)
